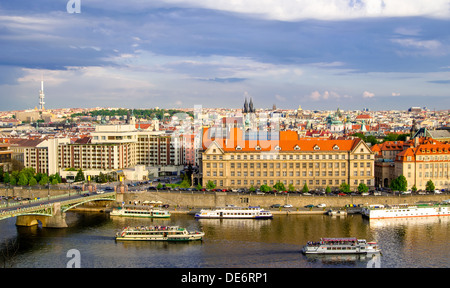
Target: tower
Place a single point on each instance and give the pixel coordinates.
(250, 106)
(41, 95)
(245, 110)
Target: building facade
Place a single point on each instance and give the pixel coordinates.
(234, 162)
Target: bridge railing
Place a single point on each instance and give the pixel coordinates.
(42, 199)
(7, 213)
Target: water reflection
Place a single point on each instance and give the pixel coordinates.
(420, 242)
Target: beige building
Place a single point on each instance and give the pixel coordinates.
(420, 160)
(424, 162)
(118, 147)
(232, 162)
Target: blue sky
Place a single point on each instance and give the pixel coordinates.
(322, 54)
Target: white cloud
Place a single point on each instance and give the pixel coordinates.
(326, 95)
(395, 94)
(367, 94)
(292, 10)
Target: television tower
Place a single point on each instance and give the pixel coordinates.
(41, 95)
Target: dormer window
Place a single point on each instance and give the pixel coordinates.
(297, 147)
(238, 147)
(316, 147)
(277, 147)
(335, 147)
(257, 147)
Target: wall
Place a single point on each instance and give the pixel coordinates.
(222, 199)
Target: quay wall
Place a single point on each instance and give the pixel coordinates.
(221, 199)
(215, 199)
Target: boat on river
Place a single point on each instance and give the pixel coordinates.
(142, 213)
(158, 233)
(406, 211)
(231, 212)
(341, 246)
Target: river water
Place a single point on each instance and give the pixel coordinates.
(233, 243)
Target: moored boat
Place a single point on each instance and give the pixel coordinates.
(158, 233)
(341, 246)
(405, 211)
(143, 213)
(251, 212)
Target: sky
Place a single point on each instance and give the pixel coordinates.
(320, 55)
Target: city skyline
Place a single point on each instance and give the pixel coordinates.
(373, 54)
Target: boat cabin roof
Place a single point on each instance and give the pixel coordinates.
(339, 239)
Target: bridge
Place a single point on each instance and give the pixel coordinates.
(50, 211)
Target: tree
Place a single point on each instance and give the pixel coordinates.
(430, 186)
(328, 190)
(32, 181)
(291, 188)
(264, 188)
(305, 188)
(199, 187)
(6, 177)
(252, 189)
(399, 184)
(44, 180)
(210, 185)
(362, 188)
(185, 184)
(344, 188)
(80, 176)
(279, 186)
(23, 180)
(159, 186)
(414, 188)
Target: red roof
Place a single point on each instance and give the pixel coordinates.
(288, 142)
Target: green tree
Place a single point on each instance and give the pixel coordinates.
(185, 184)
(279, 186)
(328, 190)
(32, 181)
(6, 177)
(210, 185)
(23, 180)
(305, 188)
(264, 188)
(252, 189)
(199, 187)
(159, 186)
(291, 188)
(362, 188)
(44, 180)
(344, 188)
(399, 184)
(414, 188)
(80, 176)
(430, 186)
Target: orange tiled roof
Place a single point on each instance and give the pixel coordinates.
(288, 142)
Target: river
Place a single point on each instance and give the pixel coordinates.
(233, 243)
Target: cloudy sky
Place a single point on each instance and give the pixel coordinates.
(321, 54)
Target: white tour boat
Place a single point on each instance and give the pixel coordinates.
(251, 212)
(405, 211)
(341, 246)
(144, 213)
(158, 233)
